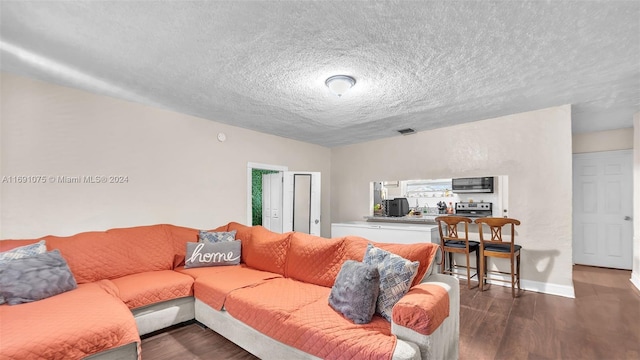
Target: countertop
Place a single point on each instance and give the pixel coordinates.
(409, 219)
(417, 226)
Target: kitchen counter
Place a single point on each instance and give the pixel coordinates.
(409, 219)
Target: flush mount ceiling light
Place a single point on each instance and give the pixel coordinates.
(339, 84)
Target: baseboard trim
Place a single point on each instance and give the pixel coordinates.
(635, 280)
(548, 288)
(545, 288)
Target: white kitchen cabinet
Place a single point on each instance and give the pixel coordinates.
(387, 233)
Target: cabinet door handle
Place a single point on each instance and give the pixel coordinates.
(627, 218)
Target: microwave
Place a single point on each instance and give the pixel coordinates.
(472, 185)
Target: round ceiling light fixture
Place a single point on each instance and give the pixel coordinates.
(339, 84)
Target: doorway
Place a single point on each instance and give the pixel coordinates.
(282, 200)
(266, 198)
(301, 202)
(255, 192)
(602, 209)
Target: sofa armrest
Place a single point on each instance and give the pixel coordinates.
(436, 341)
(423, 308)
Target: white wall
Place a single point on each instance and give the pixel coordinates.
(635, 275)
(533, 149)
(619, 139)
(177, 170)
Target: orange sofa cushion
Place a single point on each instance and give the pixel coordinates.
(314, 259)
(266, 305)
(265, 250)
(422, 309)
(71, 325)
(325, 333)
(115, 253)
(211, 271)
(298, 314)
(137, 290)
(213, 290)
(243, 232)
(424, 253)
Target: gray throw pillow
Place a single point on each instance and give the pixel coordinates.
(216, 236)
(24, 251)
(396, 276)
(35, 278)
(202, 254)
(355, 291)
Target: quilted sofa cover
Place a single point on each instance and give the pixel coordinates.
(280, 290)
(291, 304)
(117, 270)
(71, 325)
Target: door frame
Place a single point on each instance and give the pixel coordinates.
(288, 198)
(250, 167)
(598, 154)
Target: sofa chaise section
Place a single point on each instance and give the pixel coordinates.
(72, 325)
(132, 268)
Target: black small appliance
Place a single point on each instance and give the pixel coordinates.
(397, 207)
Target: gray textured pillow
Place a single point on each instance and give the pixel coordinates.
(24, 251)
(216, 236)
(202, 254)
(20, 253)
(396, 276)
(355, 291)
(35, 278)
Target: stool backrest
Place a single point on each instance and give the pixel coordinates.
(451, 224)
(496, 225)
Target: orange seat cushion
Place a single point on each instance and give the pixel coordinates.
(213, 290)
(265, 305)
(422, 309)
(151, 287)
(325, 333)
(71, 325)
(298, 314)
(314, 259)
(265, 250)
(211, 271)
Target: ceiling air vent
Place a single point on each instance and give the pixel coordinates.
(407, 131)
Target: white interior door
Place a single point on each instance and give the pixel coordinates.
(301, 202)
(602, 209)
(272, 201)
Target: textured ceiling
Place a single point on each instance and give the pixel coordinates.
(262, 65)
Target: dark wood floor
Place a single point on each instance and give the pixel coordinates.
(191, 342)
(601, 323)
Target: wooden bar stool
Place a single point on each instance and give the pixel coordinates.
(453, 243)
(496, 246)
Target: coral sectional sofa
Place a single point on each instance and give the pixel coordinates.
(278, 302)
